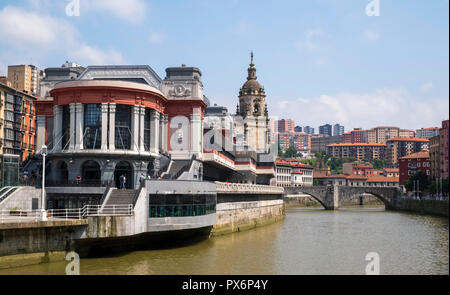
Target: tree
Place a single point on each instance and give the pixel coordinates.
(422, 179)
(280, 151)
(291, 152)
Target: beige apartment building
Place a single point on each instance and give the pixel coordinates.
(25, 78)
(383, 133)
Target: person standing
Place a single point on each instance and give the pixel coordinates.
(121, 181)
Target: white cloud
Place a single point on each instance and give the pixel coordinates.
(382, 107)
(371, 35)
(30, 37)
(242, 27)
(28, 30)
(133, 11)
(155, 38)
(310, 41)
(321, 61)
(90, 55)
(427, 87)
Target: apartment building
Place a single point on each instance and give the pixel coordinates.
(403, 146)
(357, 135)
(362, 169)
(25, 78)
(293, 173)
(17, 123)
(359, 151)
(414, 163)
(427, 132)
(435, 157)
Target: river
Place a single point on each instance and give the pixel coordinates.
(308, 241)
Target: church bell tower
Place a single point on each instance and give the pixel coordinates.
(252, 108)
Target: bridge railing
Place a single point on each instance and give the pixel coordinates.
(66, 214)
(236, 188)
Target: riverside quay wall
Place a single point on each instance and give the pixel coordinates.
(236, 207)
(244, 206)
(30, 242)
(425, 206)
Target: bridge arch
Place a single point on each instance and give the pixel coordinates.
(385, 195)
(318, 194)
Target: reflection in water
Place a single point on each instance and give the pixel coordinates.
(308, 241)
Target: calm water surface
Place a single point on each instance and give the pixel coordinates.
(308, 241)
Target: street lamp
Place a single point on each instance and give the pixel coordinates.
(43, 212)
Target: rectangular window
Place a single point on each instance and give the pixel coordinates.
(92, 126)
(123, 130)
(147, 129)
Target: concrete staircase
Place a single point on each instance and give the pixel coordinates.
(175, 168)
(117, 201)
(120, 197)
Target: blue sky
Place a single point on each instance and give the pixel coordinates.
(320, 61)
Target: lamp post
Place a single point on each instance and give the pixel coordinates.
(43, 211)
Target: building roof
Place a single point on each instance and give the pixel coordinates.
(356, 177)
(429, 128)
(320, 175)
(357, 144)
(419, 155)
(107, 83)
(391, 169)
(381, 178)
(292, 163)
(17, 91)
(409, 139)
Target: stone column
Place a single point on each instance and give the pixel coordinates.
(57, 128)
(104, 126)
(141, 129)
(40, 132)
(79, 126)
(112, 126)
(72, 127)
(135, 128)
(165, 136)
(195, 134)
(154, 131)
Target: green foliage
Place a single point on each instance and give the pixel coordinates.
(291, 152)
(435, 187)
(335, 164)
(280, 151)
(377, 164)
(424, 181)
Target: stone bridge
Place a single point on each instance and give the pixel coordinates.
(331, 197)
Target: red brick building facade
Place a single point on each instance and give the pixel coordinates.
(412, 164)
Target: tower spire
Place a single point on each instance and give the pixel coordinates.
(251, 63)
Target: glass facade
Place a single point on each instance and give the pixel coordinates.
(181, 205)
(123, 127)
(92, 126)
(9, 170)
(65, 127)
(147, 129)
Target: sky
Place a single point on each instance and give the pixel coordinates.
(320, 61)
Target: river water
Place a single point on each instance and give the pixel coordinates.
(308, 241)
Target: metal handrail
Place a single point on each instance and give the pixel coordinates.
(138, 192)
(67, 214)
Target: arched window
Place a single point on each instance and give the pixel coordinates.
(90, 171)
(92, 132)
